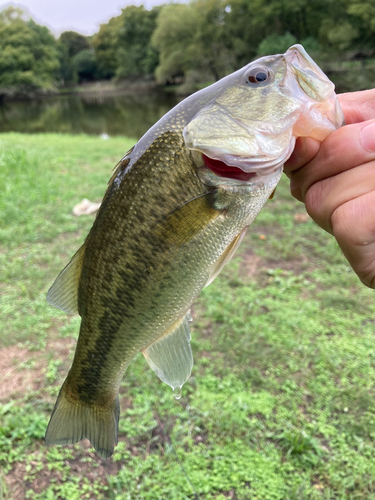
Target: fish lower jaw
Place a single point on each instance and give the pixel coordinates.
(257, 183)
(218, 173)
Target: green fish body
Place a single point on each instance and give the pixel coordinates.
(176, 209)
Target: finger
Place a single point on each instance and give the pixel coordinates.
(304, 151)
(358, 106)
(342, 150)
(326, 196)
(354, 228)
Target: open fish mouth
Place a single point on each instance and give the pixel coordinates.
(242, 167)
(221, 169)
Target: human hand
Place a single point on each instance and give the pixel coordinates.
(336, 181)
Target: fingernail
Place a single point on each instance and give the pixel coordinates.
(368, 137)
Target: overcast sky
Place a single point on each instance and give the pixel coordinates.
(83, 16)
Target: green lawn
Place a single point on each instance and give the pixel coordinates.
(280, 405)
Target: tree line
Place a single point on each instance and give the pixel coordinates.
(191, 43)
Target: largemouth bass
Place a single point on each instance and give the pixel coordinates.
(175, 211)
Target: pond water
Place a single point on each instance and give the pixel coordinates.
(129, 115)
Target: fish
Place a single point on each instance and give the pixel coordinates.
(175, 211)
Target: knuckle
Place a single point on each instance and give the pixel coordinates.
(295, 188)
(314, 200)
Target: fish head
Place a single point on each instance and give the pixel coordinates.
(251, 118)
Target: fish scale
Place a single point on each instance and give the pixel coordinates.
(167, 225)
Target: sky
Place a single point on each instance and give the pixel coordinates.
(83, 16)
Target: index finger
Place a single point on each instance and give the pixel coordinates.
(305, 150)
(358, 106)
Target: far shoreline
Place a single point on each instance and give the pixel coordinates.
(103, 88)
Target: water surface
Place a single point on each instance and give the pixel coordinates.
(128, 115)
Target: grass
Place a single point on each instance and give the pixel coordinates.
(280, 405)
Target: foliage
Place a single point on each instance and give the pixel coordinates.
(75, 67)
(123, 47)
(73, 42)
(280, 405)
(85, 66)
(105, 44)
(176, 27)
(135, 54)
(28, 55)
(274, 44)
(218, 36)
(191, 43)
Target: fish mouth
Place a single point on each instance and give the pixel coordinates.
(221, 169)
(241, 168)
(218, 171)
(309, 83)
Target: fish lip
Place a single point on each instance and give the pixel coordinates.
(301, 65)
(260, 165)
(251, 167)
(322, 98)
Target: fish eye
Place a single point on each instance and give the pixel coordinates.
(258, 75)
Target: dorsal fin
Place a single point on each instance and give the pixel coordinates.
(63, 294)
(121, 165)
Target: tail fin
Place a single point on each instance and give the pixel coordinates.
(72, 421)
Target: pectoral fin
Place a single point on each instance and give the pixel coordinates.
(227, 255)
(63, 294)
(181, 225)
(170, 356)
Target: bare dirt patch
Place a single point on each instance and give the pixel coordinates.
(61, 348)
(18, 482)
(23, 371)
(297, 266)
(251, 265)
(15, 377)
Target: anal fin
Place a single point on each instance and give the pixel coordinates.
(63, 294)
(170, 356)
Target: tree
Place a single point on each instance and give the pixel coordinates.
(73, 42)
(70, 44)
(123, 45)
(105, 43)
(193, 37)
(135, 55)
(28, 55)
(84, 64)
(176, 27)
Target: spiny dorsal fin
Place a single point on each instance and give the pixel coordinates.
(170, 356)
(122, 164)
(181, 225)
(226, 256)
(63, 294)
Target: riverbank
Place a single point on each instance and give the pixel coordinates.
(348, 76)
(102, 87)
(280, 404)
